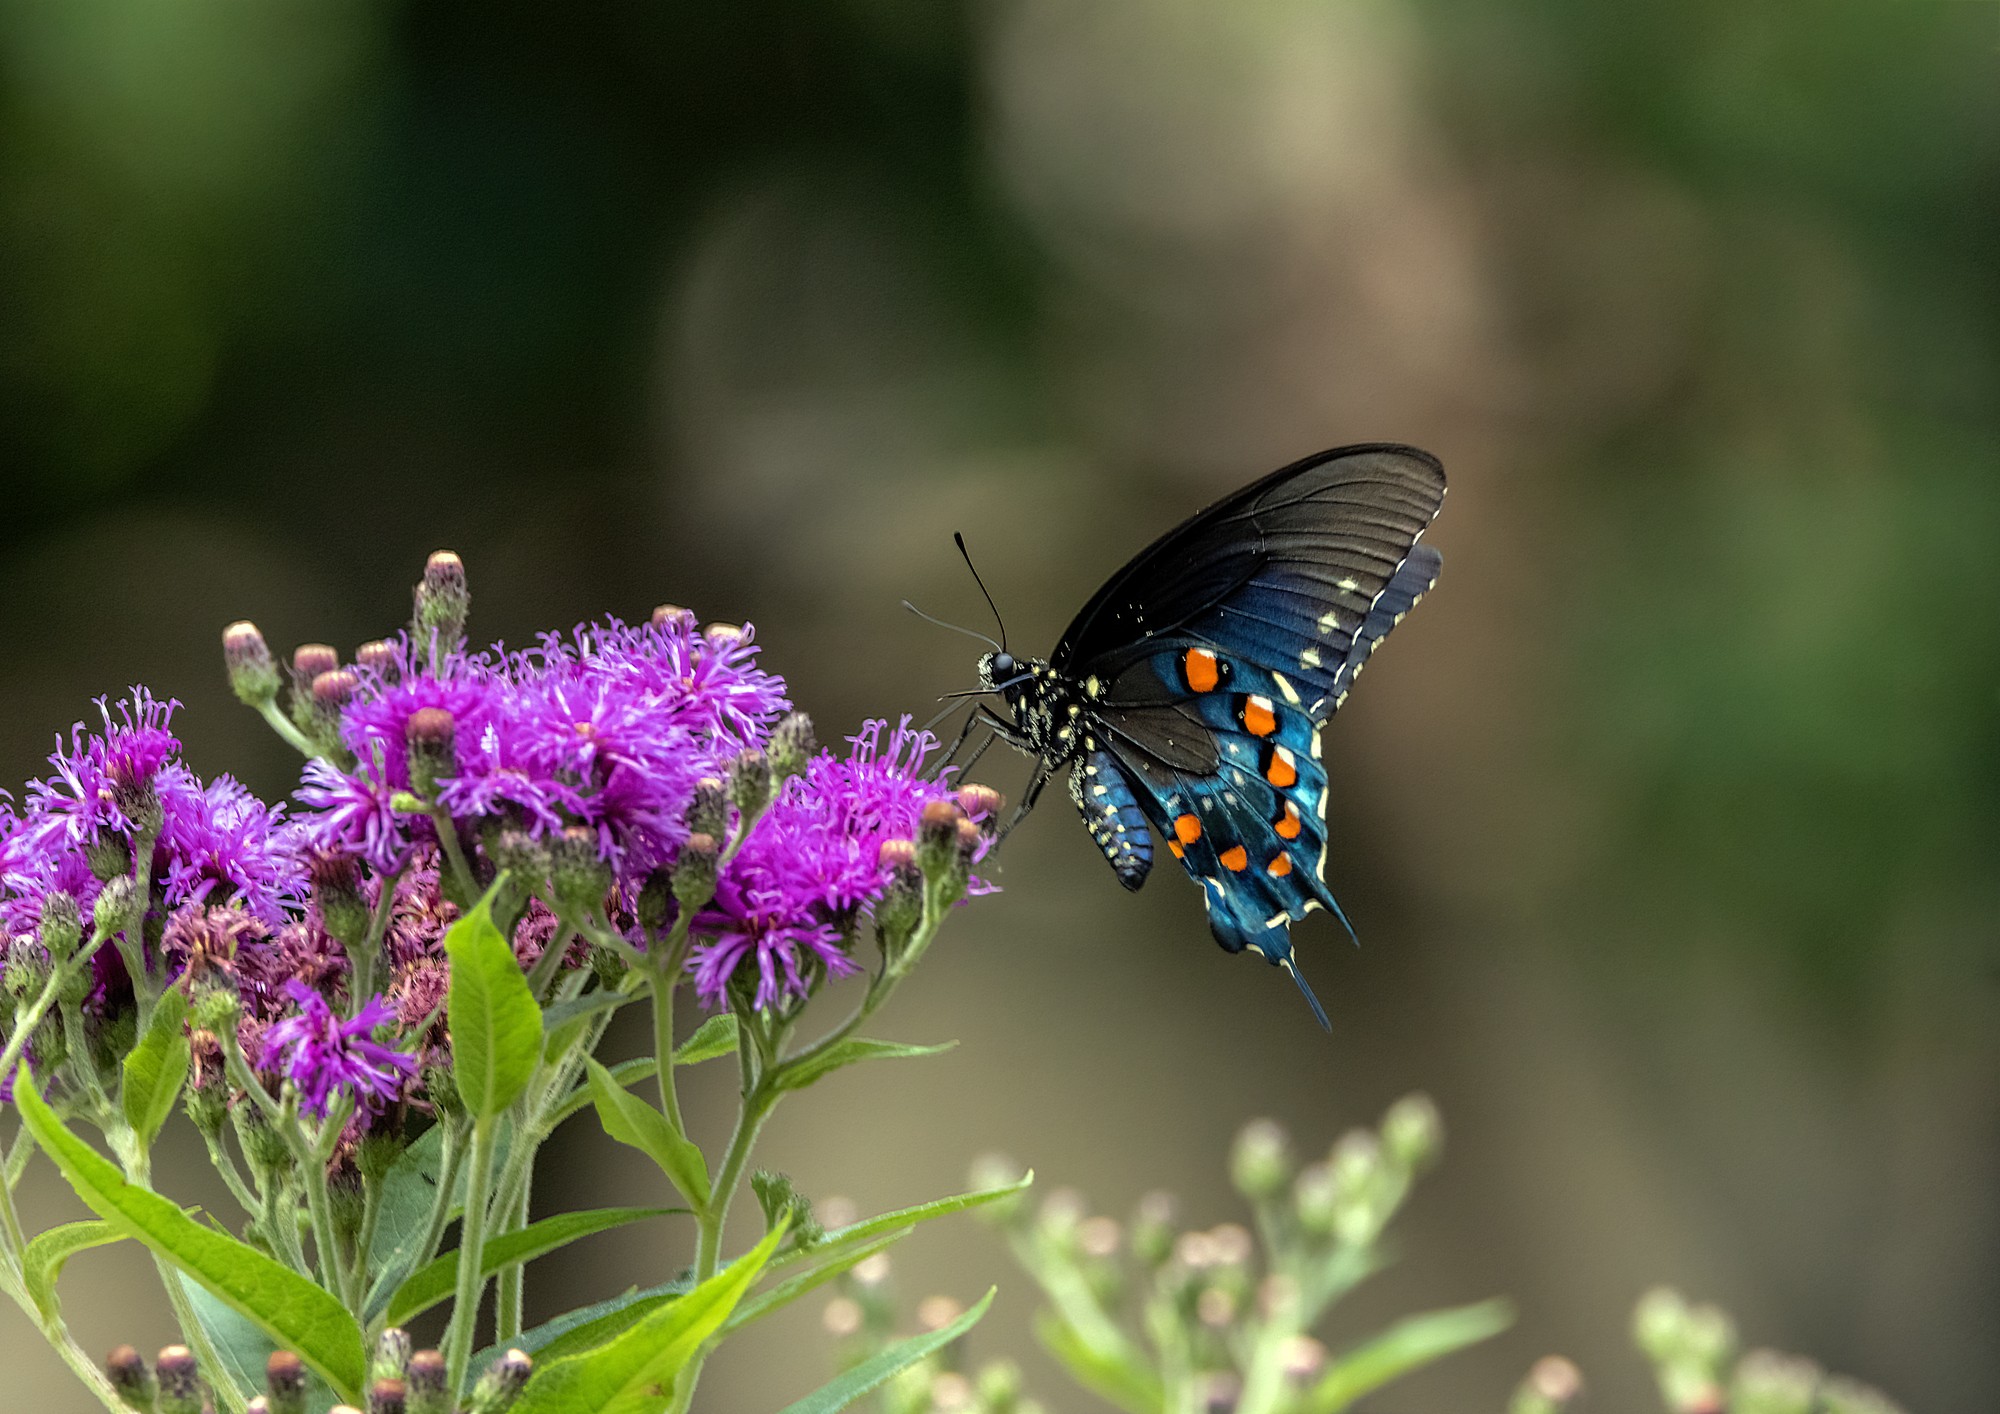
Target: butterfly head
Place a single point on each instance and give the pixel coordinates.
(997, 669)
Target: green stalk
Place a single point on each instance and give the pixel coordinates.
(55, 1330)
(513, 1280)
(26, 1022)
(284, 727)
(471, 1245)
(451, 1156)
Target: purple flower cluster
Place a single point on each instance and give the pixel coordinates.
(115, 791)
(609, 728)
(612, 745)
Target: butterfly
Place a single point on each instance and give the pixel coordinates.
(1188, 695)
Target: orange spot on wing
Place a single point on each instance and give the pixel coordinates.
(1288, 824)
(1258, 718)
(1282, 769)
(1175, 846)
(1235, 859)
(1203, 672)
(1279, 867)
(1187, 829)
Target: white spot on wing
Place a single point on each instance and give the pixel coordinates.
(1309, 659)
(1284, 686)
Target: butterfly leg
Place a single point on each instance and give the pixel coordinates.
(982, 716)
(1043, 773)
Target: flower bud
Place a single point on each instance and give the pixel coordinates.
(336, 892)
(1315, 1198)
(126, 1369)
(1413, 1133)
(999, 1387)
(260, 1405)
(901, 906)
(427, 1375)
(443, 602)
(694, 872)
(441, 1092)
(432, 737)
(285, 1383)
(60, 928)
(723, 636)
(215, 1010)
(346, 1203)
(983, 804)
(673, 616)
(792, 747)
(1260, 1164)
(708, 812)
(501, 1385)
(1769, 1383)
(1550, 1387)
(309, 660)
(375, 1156)
(937, 837)
(28, 969)
(108, 856)
(1303, 1358)
(1841, 1395)
(117, 906)
(180, 1381)
(263, 1146)
(207, 1106)
(580, 876)
(750, 781)
(378, 656)
(333, 690)
(388, 1395)
(253, 674)
(520, 854)
(1152, 1229)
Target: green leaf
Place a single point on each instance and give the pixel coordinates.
(496, 1028)
(1404, 1347)
(848, 1052)
(630, 1120)
(1116, 1376)
(436, 1281)
(791, 1289)
(626, 1073)
(587, 1327)
(157, 1068)
(243, 1348)
(840, 1241)
(878, 1370)
(409, 1192)
(714, 1037)
(43, 1258)
(634, 1374)
(293, 1311)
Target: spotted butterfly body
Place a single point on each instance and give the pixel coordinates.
(1189, 694)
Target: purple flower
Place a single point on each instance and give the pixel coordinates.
(351, 811)
(325, 1056)
(219, 842)
(812, 862)
(99, 774)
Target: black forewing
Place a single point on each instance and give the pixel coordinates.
(1281, 575)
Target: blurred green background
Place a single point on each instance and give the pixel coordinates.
(1669, 824)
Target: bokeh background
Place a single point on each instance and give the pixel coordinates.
(1669, 823)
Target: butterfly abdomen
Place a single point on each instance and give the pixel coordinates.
(1111, 811)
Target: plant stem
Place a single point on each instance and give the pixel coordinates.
(451, 1156)
(282, 725)
(55, 1330)
(26, 1022)
(471, 1245)
(447, 834)
(513, 1281)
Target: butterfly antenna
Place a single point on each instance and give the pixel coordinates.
(959, 540)
(1319, 1012)
(968, 632)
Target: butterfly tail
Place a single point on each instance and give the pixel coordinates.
(1319, 1012)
